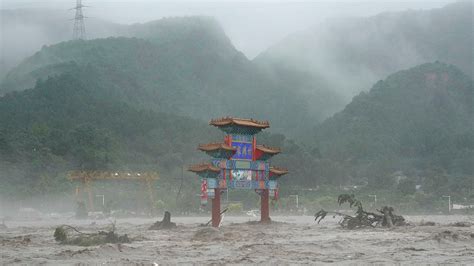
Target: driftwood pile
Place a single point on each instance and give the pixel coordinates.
(69, 235)
(362, 218)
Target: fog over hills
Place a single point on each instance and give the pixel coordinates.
(25, 31)
(252, 26)
(186, 66)
(353, 53)
(129, 101)
(320, 71)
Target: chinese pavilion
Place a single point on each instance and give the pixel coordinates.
(238, 163)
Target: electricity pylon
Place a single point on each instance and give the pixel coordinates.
(79, 31)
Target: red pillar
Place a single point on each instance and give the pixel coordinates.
(264, 207)
(216, 208)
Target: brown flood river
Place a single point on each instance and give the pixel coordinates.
(290, 240)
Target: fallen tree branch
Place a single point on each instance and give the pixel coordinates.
(362, 218)
(222, 212)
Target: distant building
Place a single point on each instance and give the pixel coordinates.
(462, 207)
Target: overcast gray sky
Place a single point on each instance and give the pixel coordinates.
(252, 25)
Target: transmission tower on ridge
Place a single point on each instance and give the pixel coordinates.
(79, 31)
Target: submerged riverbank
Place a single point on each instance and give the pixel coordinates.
(290, 239)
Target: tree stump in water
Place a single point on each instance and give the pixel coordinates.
(387, 216)
(164, 224)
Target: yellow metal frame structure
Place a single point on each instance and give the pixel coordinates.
(87, 177)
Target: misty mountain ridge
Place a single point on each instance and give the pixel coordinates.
(415, 120)
(186, 66)
(115, 101)
(320, 69)
(353, 53)
(25, 31)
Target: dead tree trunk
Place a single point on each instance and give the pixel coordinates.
(164, 224)
(387, 214)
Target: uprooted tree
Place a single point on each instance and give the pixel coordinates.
(69, 235)
(362, 218)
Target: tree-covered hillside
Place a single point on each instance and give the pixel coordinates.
(75, 121)
(353, 53)
(183, 66)
(418, 121)
(141, 103)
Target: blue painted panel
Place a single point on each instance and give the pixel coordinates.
(244, 150)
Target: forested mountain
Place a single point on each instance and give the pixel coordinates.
(184, 66)
(74, 121)
(351, 54)
(418, 121)
(142, 102)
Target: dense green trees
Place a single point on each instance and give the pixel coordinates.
(73, 121)
(419, 121)
(140, 104)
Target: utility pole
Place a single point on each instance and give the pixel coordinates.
(297, 200)
(180, 184)
(449, 203)
(103, 199)
(79, 30)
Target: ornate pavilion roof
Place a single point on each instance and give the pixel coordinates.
(203, 167)
(269, 150)
(216, 146)
(230, 121)
(278, 171)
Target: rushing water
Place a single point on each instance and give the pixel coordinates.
(290, 239)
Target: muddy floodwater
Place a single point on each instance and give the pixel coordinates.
(289, 240)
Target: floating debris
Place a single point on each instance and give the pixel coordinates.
(461, 224)
(222, 216)
(16, 241)
(69, 235)
(164, 224)
(208, 234)
(427, 223)
(386, 218)
(446, 235)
